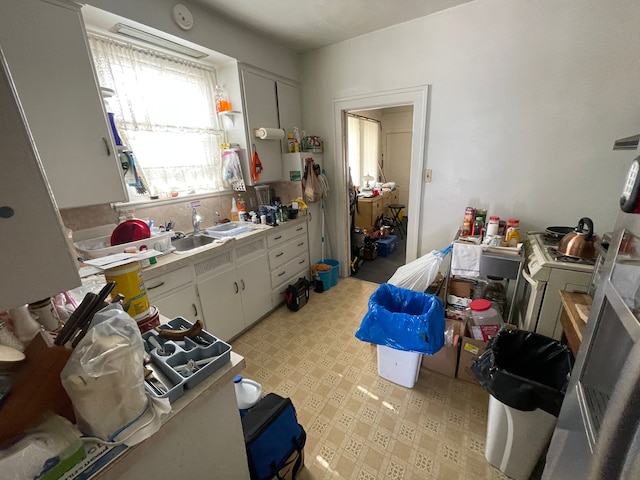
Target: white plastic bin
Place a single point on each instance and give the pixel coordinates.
(398, 366)
(516, 438)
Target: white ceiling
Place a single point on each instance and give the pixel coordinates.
(304, 25)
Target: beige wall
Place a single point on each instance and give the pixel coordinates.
(526, 101)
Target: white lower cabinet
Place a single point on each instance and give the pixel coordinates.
(181, 303)
(230, 289)
(221, 303)
(234, 289)
(175, 295)
(288, 258)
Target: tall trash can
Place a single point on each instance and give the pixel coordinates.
(526, 375)
(404, 325)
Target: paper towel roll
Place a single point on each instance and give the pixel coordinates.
(270, 133)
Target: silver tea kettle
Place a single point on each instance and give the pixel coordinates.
(580, 243)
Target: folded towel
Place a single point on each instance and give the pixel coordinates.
(465, 260)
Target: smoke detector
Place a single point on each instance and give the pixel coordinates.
(182, 16)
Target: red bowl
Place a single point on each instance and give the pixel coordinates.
(130, 231)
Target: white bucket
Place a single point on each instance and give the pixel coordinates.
(248, 393)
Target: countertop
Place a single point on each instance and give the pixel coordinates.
(186, 405)
(171, 261)
(572, 325)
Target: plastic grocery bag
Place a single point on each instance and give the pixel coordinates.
(404, 320)
(525, 370)
(104, 377)
(420, 273)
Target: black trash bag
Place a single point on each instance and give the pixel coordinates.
(525, 370)
(403, 319)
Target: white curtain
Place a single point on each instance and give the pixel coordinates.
(164, 110)
(370, 148)
(363, 149)
(353, 143)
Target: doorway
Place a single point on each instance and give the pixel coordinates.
(379, 150)
(418, 99)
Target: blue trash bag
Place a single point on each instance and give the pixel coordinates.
(404, 320)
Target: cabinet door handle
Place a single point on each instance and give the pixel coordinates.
(195, 309)
(156, 286)
(300, 244)
(280, 254)
(278, 237)
(106, 145)
(282, 273)
(302, 261)
(236, 284)
(242, 282)
(299, 229)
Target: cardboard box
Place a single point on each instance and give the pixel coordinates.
(446, 360)
(469, 351)
(460, 287)
(459, 295)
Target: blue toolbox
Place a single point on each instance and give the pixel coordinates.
(387, 245)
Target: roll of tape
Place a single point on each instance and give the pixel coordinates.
(264, 133)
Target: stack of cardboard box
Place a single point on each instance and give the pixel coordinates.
(455, 360)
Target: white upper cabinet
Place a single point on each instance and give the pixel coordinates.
(46, 49)
(288, 109)
(271, 103)
(36, 261)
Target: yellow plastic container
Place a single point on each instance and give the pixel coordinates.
(130, 283)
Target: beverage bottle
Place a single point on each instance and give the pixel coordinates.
(478, 226)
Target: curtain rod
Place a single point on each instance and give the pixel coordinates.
(365, 118)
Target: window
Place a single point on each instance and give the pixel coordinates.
(164, 111)
(363, 149)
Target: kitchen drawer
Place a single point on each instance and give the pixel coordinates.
(277, 294)
(282, 234)
(283, 253)
(285, 272)
(158, 286)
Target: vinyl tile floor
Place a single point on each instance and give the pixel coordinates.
(359, 425)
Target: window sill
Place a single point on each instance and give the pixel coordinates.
(148, 202)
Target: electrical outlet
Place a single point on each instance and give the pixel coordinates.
(426, 176)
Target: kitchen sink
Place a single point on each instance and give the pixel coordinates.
(230, 229)
(189, 243)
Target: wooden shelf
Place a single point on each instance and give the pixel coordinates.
(573, 325)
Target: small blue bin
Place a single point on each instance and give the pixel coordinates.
(325, 277)
(335, 269)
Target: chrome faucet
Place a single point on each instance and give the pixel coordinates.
(216, 220)
(195, 220)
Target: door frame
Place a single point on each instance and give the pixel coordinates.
(419, 98)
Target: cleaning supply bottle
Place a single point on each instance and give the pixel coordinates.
(248, 393)
(234, 210)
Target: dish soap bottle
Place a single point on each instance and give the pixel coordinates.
(234, 210)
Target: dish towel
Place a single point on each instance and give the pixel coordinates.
(466, 260)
